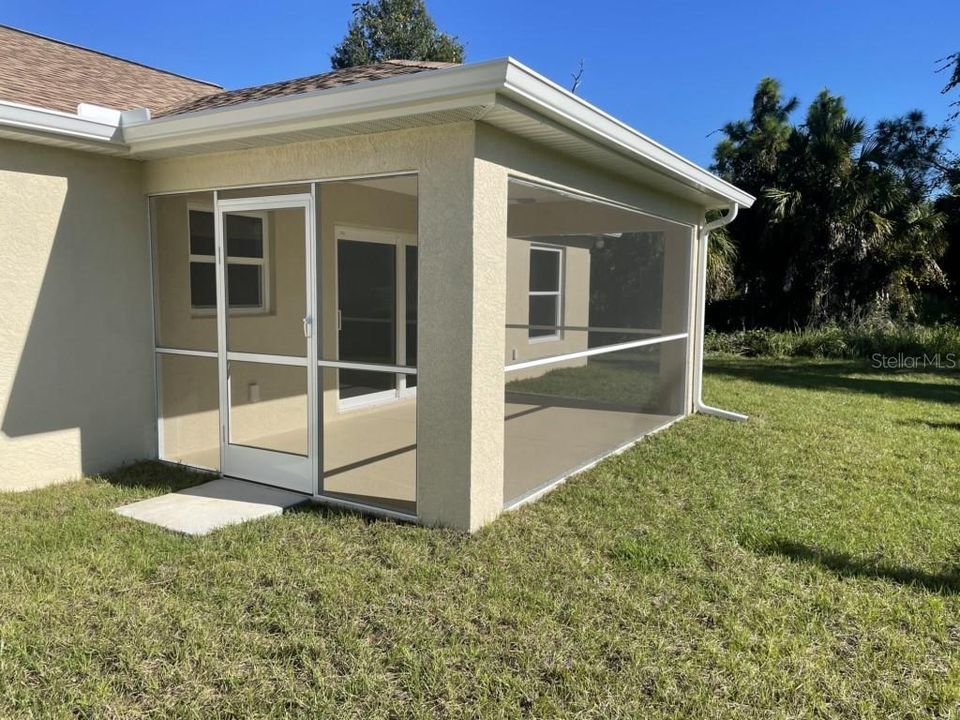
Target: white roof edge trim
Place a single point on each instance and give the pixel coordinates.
(444, 88)
(55, 122)
(534, 90)
(442, 84)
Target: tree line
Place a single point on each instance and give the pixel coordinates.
(852, 221)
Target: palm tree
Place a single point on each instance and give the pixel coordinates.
(844, 215)
(857, 228)
(750, 155)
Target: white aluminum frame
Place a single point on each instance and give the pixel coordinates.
(287, 470)
(313, 263)
(554, 359)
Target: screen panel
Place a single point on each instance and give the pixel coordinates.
(369, 268)
(597, 318)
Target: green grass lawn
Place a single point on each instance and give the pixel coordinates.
(804, 564)
(629, 378)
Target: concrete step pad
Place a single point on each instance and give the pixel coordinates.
(204, 508)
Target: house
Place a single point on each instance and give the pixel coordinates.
(422, 290)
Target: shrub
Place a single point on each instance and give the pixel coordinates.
(830, 341)
(839, 342)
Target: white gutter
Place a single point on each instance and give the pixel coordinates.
(698, 404)
(544, 96)
(96, 129)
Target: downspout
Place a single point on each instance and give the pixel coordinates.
(699, 340)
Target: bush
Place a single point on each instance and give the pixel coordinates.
(839, 342)
(826, 342)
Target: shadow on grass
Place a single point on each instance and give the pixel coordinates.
(846, 565)
(836, 376)
(154, 475)
(933, 424)
(326, 511)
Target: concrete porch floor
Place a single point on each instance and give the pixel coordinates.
(370, 455)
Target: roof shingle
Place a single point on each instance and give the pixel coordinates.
(40, 71)
(323, 81)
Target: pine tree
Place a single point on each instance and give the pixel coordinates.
(394, 30)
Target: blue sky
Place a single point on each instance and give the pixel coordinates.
(674, 70)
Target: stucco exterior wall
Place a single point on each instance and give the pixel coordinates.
(488, 277)
(76, 360)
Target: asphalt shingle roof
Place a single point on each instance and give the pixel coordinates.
(40, 71)
(323, 81)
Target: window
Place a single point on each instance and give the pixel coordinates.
(246, 261)
(377, 313)
(546, 293)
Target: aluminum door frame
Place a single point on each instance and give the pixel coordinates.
(285, 470)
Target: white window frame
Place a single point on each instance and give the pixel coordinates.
(558, 293)
(400, 240)
(262, 262)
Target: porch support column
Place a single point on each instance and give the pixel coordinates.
(463, 231)
(676, 304)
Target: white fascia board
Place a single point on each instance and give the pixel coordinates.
(536, 92)
(54, 122)
(432, 91)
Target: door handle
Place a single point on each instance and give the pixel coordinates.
(307, 326)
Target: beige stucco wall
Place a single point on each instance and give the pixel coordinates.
(76, 359)
(488, 276)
